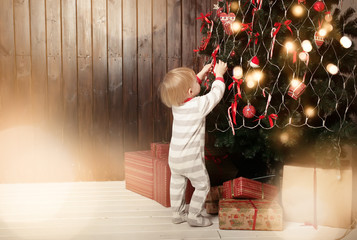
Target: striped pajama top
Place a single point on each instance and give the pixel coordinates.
(186, 152)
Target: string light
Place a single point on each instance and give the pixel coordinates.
(306, 46)
(309, 112)
(332, 68)
(346, 42)
(257, 75)
(289, 46)
(238, 72)
(295, 83)
(234, 6)
(284, 137)
(250, 83)
(303, 56)
(298, 10)
(322, 32)
(236, 26)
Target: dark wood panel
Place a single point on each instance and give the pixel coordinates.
(188, 32)
(7, 64)
(174, 21)
(115, 90)
(85, 101)
(161, 113)
(38, 62)
(130, 75)
(145, 104)
(100, 83)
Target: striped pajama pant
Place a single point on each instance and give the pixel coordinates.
(200, 181)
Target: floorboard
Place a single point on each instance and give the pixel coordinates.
(107, 211)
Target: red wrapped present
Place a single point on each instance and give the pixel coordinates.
(246, 188)
(162, 177)
(250, 215)
(160, 150)
(296, 89)
(139, 172)
(212, 199)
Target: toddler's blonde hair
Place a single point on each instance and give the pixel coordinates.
(174, 88)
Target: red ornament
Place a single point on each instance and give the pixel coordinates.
(318, 40)
(233, 53)
(319, 6)
(249, 111)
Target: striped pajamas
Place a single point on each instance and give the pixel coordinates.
(186, 154)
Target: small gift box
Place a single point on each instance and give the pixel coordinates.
(250, 215)
(160, 150)
(246, 188)
(296, 89)
(139, 172)
(212, 199)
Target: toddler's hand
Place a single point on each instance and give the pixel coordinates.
(220, 68)
(204, 71)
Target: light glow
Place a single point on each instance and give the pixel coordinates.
(289, 46)
(310, 112)
(332, 68)
(238, 72)
(322, 32)
(236, 26)
(346, 42)
(298, 10)
(306, 46)
(295, 83)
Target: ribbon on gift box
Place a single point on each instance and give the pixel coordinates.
(232, 189)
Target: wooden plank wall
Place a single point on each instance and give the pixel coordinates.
(86, 72)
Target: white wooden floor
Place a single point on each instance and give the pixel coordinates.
(106, 211)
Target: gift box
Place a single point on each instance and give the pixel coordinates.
(246, 188)
(162, 177)
(317, 196)
(212, 199)
(138, 169)
(160, 150)
(250, 215)
(296, 89)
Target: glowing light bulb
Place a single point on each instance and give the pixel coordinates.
(238, 72)
(289, 46)
(346, 42)
(332, 68)
(306, 45)
(295, 83)
(257, 75)
(236, 26)
(250, 84)
(234, 6)
(284, 137)
(328, 17)
(328, 27)
(309, 112)
(322, 32)
(303, 56)
(298, 10)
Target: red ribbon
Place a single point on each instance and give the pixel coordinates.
(287, 23)
(245, 26)
(214, 56)
(234, 109)
(271, 117)
(278, 26)
(238, 82)
(255, 214)
(204, 19)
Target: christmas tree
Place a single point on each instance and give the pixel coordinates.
(291, 83)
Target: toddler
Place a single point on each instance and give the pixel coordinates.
(179, 91)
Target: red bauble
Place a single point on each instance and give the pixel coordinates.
(249, 111)
(319, 6)
(318, 40)
(233, 53)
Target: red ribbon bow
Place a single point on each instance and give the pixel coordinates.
(214, 56)
(245, 26)
(278, 26)
(204, 19)
(271, 117)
